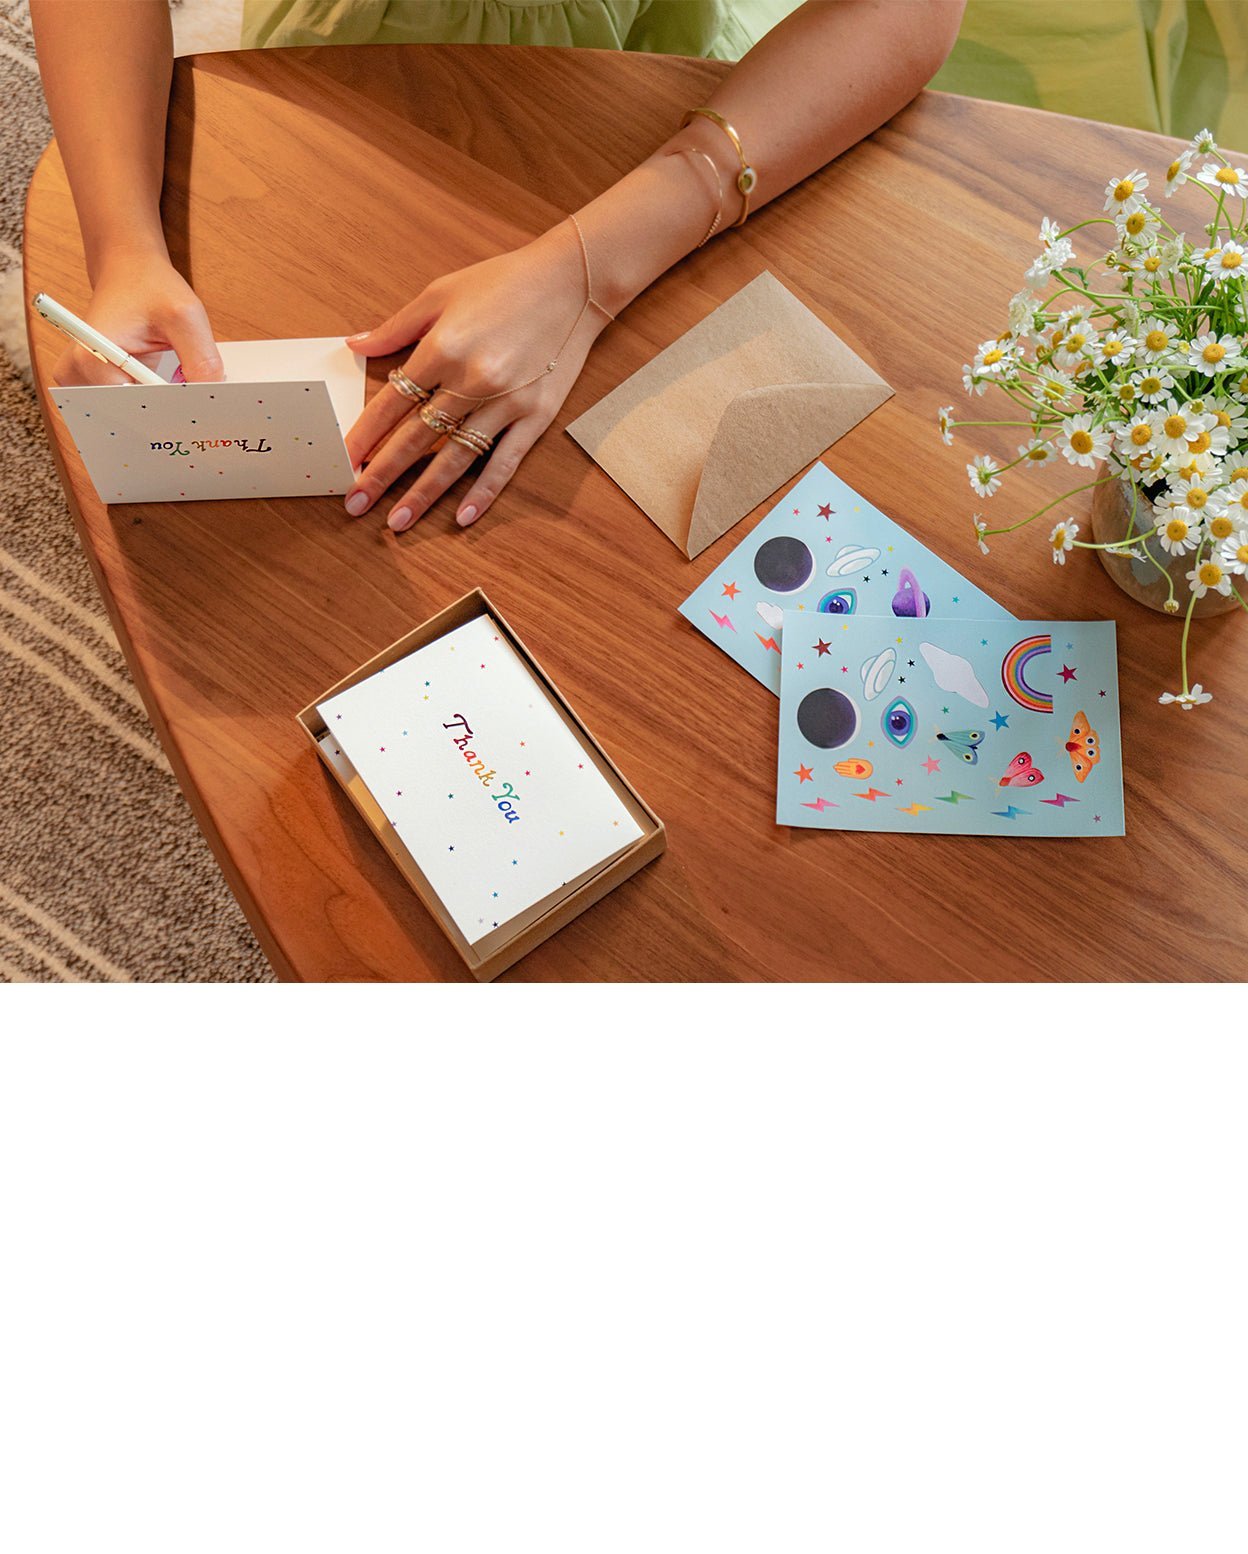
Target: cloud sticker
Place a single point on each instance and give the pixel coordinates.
(952, 673)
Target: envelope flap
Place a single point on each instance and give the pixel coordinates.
(762, 437)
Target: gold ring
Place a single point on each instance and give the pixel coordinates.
(471, 438)
(438, 420)
(399, 380)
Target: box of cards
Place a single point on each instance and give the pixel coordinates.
(502, 811)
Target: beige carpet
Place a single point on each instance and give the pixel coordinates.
(104, 875)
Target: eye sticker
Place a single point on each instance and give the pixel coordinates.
(841, 601)
(899, 722)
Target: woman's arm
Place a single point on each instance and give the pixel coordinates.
(106, 68)
(826, 76)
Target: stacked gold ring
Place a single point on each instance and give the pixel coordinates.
(471, 438)
(400, 381)
(438, 420)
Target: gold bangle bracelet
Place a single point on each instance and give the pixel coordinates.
(747, 178)
(692, 151)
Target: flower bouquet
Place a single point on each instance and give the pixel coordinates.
(1148, 376)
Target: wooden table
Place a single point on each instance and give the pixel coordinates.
(312, 191)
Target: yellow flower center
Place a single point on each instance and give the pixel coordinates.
(1175, 425)
(1240, 472)
(1156, 339)
(1210, 574)
(1053, 390)
(1213, 352)
(1111, 347)
(1232, 260)
(1227, 175)
(1173, 171)
(1039, 454)
(1176, 529)
(992, 357)
(1200, 444)
(1059, 539)
(1243, 502)
(1150, 386)
(1081, 442)
(1076, 342)
(1221, 527)
(1124, 190)
(1153, 263)
(1222, 417)
(1241, 555)
(1136, 222)
(1125, 392)
(1196, 498)
(1141, 434)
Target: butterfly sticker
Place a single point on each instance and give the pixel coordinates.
(1021, 773)
(966, 741)
(1083, 747)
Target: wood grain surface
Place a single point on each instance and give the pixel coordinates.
(311, 192)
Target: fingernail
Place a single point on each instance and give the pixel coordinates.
(400, 519)
(465, 516)
(357, 503)
(351, 339)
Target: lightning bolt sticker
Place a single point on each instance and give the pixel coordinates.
(1060, 801)
(913, 809)
(1010, 812)
(954, 797)
(872, 794)
(721, 621)
(820, 805)
(768, 642)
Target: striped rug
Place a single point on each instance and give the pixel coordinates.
(104, 876)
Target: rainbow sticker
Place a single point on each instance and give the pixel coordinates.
(1014, 673)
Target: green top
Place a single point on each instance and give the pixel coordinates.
(714, 29)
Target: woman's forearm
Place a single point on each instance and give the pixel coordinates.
(106, 67)
(830, 73)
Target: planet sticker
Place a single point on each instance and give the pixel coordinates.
(827, 719)
(784, 564)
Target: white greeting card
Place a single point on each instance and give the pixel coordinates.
(485, 783)
(273, 428)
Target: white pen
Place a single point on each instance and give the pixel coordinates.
(92, 340)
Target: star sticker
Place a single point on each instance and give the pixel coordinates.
(1067, 673)
(931, 766)
(909, 663)
(796, 511)
(1100, 693)
(884, 573)
(899, 641)
(1000, 720)
(944, 709)
(804, 774)
(866, 579)
(901, 679)
(731, 590)
(826, 510)
(1069, 645)
(801, 666)
(824, 648)
(844, 668)
(1096, 817)
(983, 642)
(900, 782)
(955, 598)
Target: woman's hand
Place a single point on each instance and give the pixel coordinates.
(478, 332)
(144, 305)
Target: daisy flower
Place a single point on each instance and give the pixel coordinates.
(1137, 437)
(1233, 501)
(1190, 493)
(1189, 699)
(980, 529)
(1126, 194)
(983, 473)
(992, 360)
(1234, 553)
(1177, 532)
(1023, 311)
(1219, 526)
(1115, 349)
(1176, 426)
(1055, 257)
(1138, 225)
(1157, 344)
(1206, 576)
(1204, 142)
(1153, 385)
(1224, 179)
(1228, 413)
(1225, 262)
(1081, 443)
(1037, 451)
(1049, 232)
(1209, 443)
(1062, 539)
(1075, 346)
(971, 381)
(1176, 173)
(1210, 353)
(944, 419)
(1053, 386)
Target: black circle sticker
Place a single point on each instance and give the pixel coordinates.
(827, 718)
(784, 564)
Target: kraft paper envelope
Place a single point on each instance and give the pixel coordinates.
(273, 428)
(725, 415)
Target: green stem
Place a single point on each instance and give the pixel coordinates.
(1065, 497)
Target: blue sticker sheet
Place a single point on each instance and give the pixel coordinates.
(970, 728)
(824, 550)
